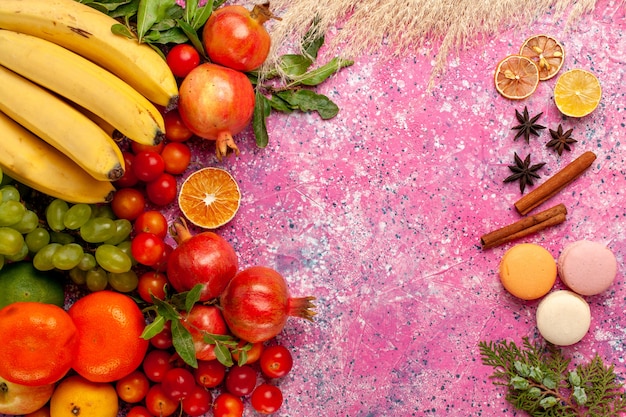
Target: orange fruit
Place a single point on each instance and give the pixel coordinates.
(39, 343)
(109, 326)
(577, 93)
(209, 197)
(76, 396)
(546, 52)
(516, 77)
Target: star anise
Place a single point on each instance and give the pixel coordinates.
(527, 125)
(561, 140)
(524, 172)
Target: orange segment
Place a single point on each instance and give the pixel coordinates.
(516, 77)
(546, 52)
(577, 93)
(209, 198)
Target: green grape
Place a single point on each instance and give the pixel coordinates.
(11, 212)
(1, 261)
(123, 228)
(98, 210)
(123, 282)
(125, 247)
(61, 237)
(112, 259)
(11, 241)
(55, 212)
(37, 239)
(98, 229)
(20, 256)
(76, 216)
(78, 276)
(10, 193)
(67, 256)
(1, 175)
(29, 222)
(96, 279)
(87, 262)
(43, 259)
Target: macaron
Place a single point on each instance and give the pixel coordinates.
(563, 317)
(528, 271)
(587, 267)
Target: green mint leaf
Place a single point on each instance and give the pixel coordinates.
(183, 343)
(151, 12)
(321, 74)
(259, 116)
(311, 43)
(294, 65)
(192, 35)
(153, 328)
(193, 296)
(166, 310)
(121, 30)
(202, 14)
(223, 355)
(307, 100)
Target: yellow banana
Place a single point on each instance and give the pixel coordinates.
(87, 32)
(83, 82)
(61, 125)
(31, 161)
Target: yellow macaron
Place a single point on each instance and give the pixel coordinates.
(528, 271)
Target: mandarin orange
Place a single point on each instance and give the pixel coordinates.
(39, 342)
(109, 327)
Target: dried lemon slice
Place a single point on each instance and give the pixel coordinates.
(516, 77)
(577, 93)
(209, 197)
(546, 52)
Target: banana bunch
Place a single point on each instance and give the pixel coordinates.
(69, 87)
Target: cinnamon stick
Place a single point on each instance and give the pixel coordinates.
(555, 183)
(525, 226)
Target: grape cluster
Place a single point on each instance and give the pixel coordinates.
(87, 240)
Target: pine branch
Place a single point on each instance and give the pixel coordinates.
(540, 381)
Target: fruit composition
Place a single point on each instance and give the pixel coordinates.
(104, 301)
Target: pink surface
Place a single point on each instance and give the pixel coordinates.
(379, 211)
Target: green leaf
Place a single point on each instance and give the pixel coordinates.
(166, 310)
(295, 65)
(223, 355)
(192, 35)
(259, 116)
(153, 328)
(183, 343)
(193, 296)
(121, 30)
(202, 15)
(517, 382)
(307, 100)
(277, 103)
(312, 44)
(150, 12)
(243, 358)
(190, 10)
(321, 74)
(548, 402)
(580, 395)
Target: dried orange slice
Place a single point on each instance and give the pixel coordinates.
(546, 52)
(209, 197)
(577, 93)
(516, 77)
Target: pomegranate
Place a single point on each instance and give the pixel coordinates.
(256, 304)
(216, 103)
(205, 258)
(236, 38)
(201, 320)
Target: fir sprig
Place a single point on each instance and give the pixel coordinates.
(540, 381)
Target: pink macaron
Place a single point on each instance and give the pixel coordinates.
(587, 267)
